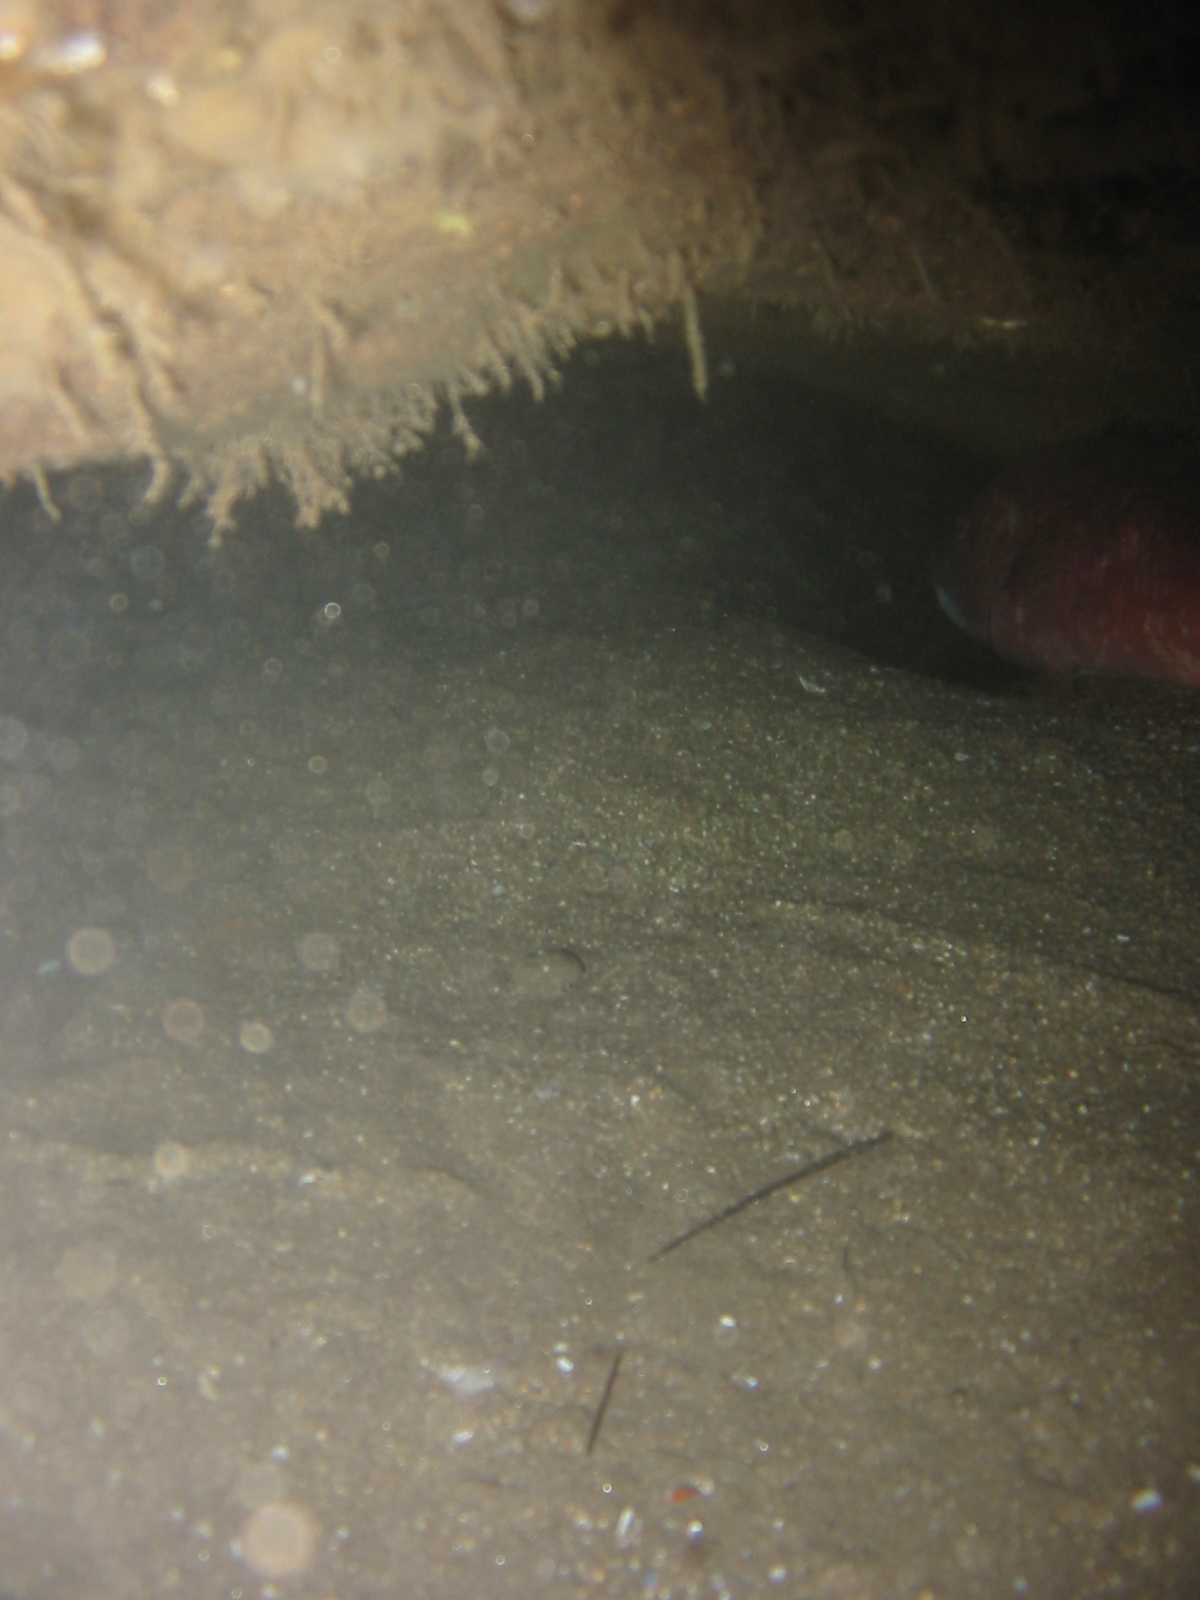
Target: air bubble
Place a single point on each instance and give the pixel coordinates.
(183, 1020)
(146, 562)
(91, 951)
(255, 1037)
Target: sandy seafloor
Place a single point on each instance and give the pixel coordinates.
(568, 844)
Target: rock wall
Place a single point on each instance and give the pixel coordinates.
(274, 236)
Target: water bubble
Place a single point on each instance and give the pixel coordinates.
(171, 1160)
(85, 492)
(378, 793)
(255, 1037)
(496, 740)
(91, 951)
(278, 1539)
(146, 562)
(183, 1020)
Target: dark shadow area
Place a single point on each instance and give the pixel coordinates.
(640, 506)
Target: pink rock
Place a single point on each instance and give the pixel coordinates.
(1088, 560)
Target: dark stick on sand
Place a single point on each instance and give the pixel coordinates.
(810, 1170)
(598, 1419)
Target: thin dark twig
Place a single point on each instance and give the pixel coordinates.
(821, 1164)
(598, 1419)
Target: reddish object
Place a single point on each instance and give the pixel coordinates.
(1088, 560)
